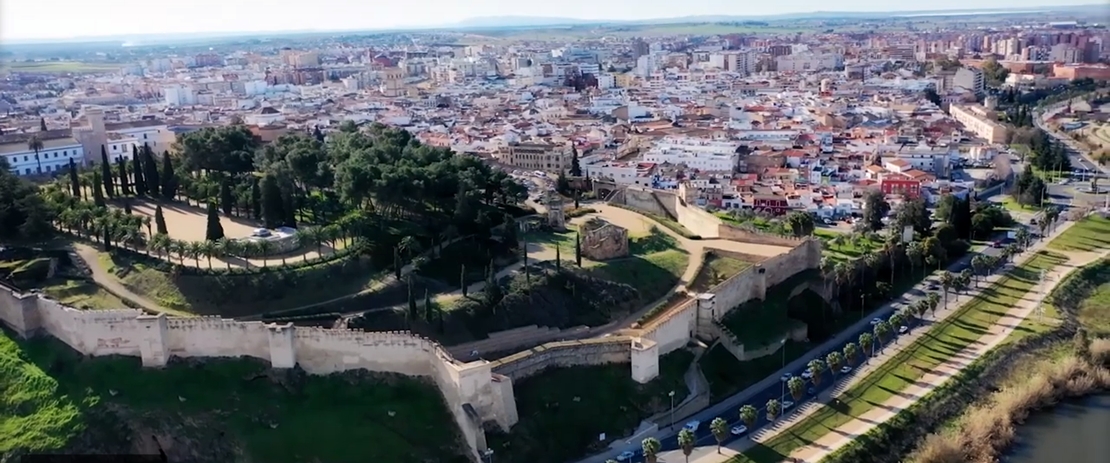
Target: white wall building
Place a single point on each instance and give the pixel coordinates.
(695, 153)
(808, 62)
(54, 156)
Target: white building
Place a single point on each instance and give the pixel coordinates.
(695, 153)
(808, 62)
(54, 156)
(179, 95)
(970, 79)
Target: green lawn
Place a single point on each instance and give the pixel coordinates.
(652, 274)
(943, 340)
(1094, 312)
(564, 240)
(847, 250)
(1090, 234)
(218, 410)
(83, 295)
(145, 281)
(716, 270)
(564, 410)
(1010, 204)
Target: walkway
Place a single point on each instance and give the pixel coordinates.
(853, 429)
(113, 285)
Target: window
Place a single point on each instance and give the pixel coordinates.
(25, 160)
(144, 136)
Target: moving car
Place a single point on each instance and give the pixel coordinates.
(739, 430)
(845, 369)
(786, 377)
(626, 455)
(876, 321)
(692, 426)
(787, 405)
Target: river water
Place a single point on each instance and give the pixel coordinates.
(1071, 432)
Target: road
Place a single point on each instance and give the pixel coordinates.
(1076, 154)
(772, 387)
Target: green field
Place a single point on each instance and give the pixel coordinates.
(59, 67)
(1090, 234)
(716, 270)
(846, 250)
(652, 274)
(943, 340)
(83, 295)
(219, 410)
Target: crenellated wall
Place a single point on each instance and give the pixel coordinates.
(473, 393)
(596, 351)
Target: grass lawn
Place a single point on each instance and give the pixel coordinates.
(847, 250)
(563, 240)
(652, 274)
(943, 340)
(145, 281)
(716, 270)
(564, 410)
(55, 400)
(1090, 234)
(1010, 204)
(83, 295)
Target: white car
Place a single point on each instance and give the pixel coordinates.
(807, 374)
(903, 329)
(876, 321)
(739, 430)
(692, 426)
(786, 377)
(845, 370)
(626, 455)
(787, 405)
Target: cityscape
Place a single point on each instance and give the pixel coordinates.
(780, 235)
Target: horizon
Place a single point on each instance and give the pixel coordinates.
(74, 19)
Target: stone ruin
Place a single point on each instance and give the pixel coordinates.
(556, 216)
(602, 240)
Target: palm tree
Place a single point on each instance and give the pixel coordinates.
(835, 360)
(915, 252)
(828, 269)
(309, 236)
(686, 440)
(882, 331)
(720, 431)
(146, 223)
(35, 144)
(221, 248)
(194, 249)
(866, 343)
(843, 272)
(207, 249)
(816, 368)
(1023, 237)
(947, 280)
(934, 301)
(897, 319)
(263, 248)
(748, 414)
(851, 353)
(978, 266)
(773, 409)
(409, 246)
(797, 387)
(651, 447)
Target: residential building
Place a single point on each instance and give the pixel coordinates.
(980, 121)
(550, 158)
(54, 155)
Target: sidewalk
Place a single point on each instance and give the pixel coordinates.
(881, 413)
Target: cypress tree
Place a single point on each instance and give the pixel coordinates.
(397, 262)
(160, 220)
(226, 200)
(427, 306)
(273, 215)
(558, 259)
(150, 173)
(412, 299)
(137, 167)
(74, 183)
(42, 124)
(214, 231)
(462, 279)
(578, 249)
(290, 209)
(124, 185)
(106, 173)
(98, 196)
(169, 178)
(256, 200)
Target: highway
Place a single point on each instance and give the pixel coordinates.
(772, 387)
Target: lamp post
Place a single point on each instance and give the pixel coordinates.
(671, 394)
(782, 384)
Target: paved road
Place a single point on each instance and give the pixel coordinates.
(772, 387)
(1079, 157)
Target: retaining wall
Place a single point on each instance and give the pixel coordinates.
(155, 339)
(597, 351)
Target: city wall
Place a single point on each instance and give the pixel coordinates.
(596, 351)
(472, 391)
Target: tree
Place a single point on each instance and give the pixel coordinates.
(256, 200)
(947, 281)
(651, 447)
(866, 342)
(214, 231)
(160, 221)
(773, 408)
(150, 173)
(42, 124)
(124, 183)
(797, 387)
(273, 210)
(875, 208)
(575, 166)
(98, 196)
(578, 249)
(35, 144)
(748, 414)
(106, 173)
(816, 369)
(719, 427)
(137, 167)
(686, 441)
(801, 223)
(169, 177)
(835, 361)
(74, 183)
(226, 199)
(851, 353)
(914, 213)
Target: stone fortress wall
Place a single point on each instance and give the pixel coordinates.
(473, 392)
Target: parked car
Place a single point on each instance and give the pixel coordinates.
(787, 405)
(845, 369)
(692, 426)
(786, 377)
(626, 455)
(903, 329)
(876, 321)
(739, 430)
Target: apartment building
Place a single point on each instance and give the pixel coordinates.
(980, 121)
(550, 158)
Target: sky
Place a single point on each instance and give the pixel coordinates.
(55, 19)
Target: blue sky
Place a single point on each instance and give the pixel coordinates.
(52, 19)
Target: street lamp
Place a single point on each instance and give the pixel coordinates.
(782, 384)
(671, 394)
(487, 456)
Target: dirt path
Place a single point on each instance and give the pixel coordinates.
(113, 285)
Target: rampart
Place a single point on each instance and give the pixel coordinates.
(596, 351)
(472, 391)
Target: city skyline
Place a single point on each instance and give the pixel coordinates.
(77, 19)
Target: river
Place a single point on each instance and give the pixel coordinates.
(1072, 432)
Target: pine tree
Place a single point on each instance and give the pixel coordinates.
(150, 173)
(160, 220)
(98, 195)
(226, 200)
(214, 231)
(124, 184)
(169, 178)
(74, 183)
(137, 167)
(106, 173)
(578, 249)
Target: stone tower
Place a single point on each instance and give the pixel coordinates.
(556, 217)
